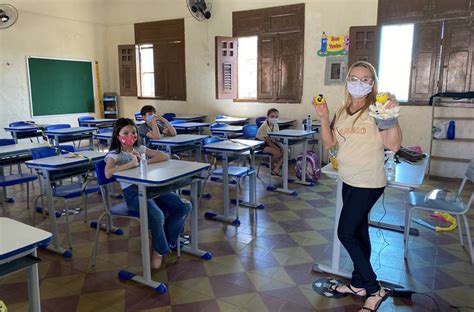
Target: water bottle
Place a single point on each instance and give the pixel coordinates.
(451, 130)
(303, 125)
(390, 167)
(143, 161)
(309, 123)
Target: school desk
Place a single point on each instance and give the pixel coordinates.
(161, 178)
(25, 132)
(189, 118)
(71, 134)
(18, 244)
(232, 120)
(295, 137)
(227, 130)
(285, 123)
(58, 168)
(191, 127)
(181, 142)
(99, 123)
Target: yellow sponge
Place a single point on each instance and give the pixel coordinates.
(382, 97)
(319, 99)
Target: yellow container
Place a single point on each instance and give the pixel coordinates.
(333, 161)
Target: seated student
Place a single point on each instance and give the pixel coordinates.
(272, 146)
(155, 126)
(166, 213)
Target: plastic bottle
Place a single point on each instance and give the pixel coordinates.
(451, 130)
(390, 166)
(309, 123)
(143, 161)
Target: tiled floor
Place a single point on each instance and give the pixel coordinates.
(262, 265)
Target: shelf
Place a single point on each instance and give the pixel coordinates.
(455, 140)
(456, 118)
(459, 160)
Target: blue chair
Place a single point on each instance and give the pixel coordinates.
(249, 132)
(67, 191)
(27, 134)
(220, 116)
(457, 208)
(260, 120)
(14, 179)
(81, 119)
(175, 122)
(169, 116)
(138, 116)
(102, 142)
(56, 127)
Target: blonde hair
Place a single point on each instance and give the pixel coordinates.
(370, 98)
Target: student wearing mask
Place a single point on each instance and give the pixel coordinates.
(155, 126)
(360, 160)
(271, 146)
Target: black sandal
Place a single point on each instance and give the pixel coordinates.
(377, 305)
(351, 291)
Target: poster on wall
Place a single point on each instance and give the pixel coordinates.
(332, 45)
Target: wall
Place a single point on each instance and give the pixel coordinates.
(62, 29)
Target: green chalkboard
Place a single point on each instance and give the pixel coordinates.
(59, 87)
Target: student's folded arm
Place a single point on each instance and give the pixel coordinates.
(155, 134)
(155, 156)
(169, 129)
(110, 167)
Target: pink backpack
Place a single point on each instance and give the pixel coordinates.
(313, 171)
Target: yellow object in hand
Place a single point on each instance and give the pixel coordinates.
(3, 307)
(382, 97)
(333, 162)
(319, 100)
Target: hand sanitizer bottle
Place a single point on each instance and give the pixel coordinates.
(143, 160)
(309, 123)
(390, 166)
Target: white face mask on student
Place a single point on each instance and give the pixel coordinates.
(358, 89)
(273, 121)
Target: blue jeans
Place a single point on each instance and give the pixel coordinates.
(166, 216)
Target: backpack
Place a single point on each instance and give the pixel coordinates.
(313, 171)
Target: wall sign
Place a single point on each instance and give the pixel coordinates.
(334, 45)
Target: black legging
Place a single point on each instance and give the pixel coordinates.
(353, 232)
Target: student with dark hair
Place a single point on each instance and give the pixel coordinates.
(271, 146)
(155, 126)
(166, 213)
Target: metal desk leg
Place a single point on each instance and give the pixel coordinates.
(52, 218)
(225, 177)
(336, 249)
(91, 142)
(33, 287)
(303, 174)
(285, 189)
(145, 246)
(194, 248)
(252, 202)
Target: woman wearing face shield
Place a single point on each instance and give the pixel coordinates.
(360, 160)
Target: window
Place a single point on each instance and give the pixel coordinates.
(267, 65)
(146, 70)
(396, 44)
(247, 69)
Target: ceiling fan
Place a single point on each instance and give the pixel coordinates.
(8, 15)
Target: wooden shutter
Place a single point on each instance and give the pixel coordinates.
(364, 44)
(458, 48)
(226, 67)
(451, 8)
(426, 43)
(160, 55)
(175, 71)
(398, 11)
(127, 70)
(266, 72)
(289, 66)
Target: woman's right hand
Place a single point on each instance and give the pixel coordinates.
(321, 109)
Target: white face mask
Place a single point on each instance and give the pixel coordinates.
(358, 89)
(273, 121)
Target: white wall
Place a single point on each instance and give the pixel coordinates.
(61, 29)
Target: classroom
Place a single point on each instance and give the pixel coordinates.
(236, 155)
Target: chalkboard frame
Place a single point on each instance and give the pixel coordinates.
(30, 96)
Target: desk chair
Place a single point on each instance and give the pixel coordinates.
(64, 192)
(169, 116)
(118, 211)
(14, 179)
(102, 142)
(138, 116)
(83, 118)
(28, 134)
(260, 120)
(417, 201)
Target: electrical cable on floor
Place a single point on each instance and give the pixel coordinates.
(381, 234)
(405, 293)
(459, 308)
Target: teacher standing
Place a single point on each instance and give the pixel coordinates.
(360, 160)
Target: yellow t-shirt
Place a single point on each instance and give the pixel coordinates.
(264, 129)
(360, 156)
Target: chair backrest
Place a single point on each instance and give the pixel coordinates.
(138, 116)
(66, 148)
(249, 131)
(175, 122)
(43, 152)
(82, 118)
(217, 125)
(4, 142)
(260, 120)
(19, 124)
(220, 116)
(212, 139)
(58, 126)
(100, 174)
(169, 116)
(104, 130)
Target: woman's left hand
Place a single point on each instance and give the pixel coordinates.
(392, 102)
